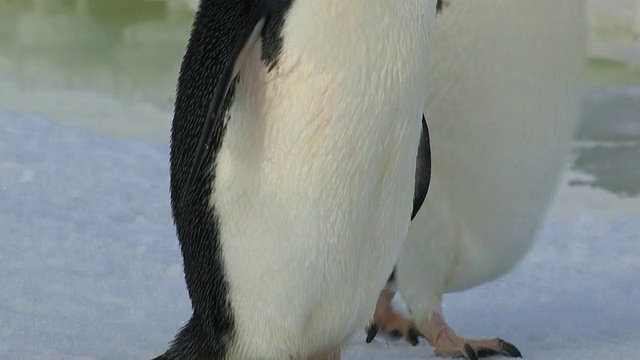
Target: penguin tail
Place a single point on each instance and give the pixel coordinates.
(194, 343)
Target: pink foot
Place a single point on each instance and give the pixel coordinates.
(437, 332)
(387, 320)
(448, 344)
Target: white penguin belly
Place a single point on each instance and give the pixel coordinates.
(314, 180)
(505, 96)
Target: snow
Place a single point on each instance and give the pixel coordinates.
(90, 266)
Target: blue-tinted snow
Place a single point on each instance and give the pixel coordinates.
(90, 267)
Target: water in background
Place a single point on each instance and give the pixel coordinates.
(615, 30)
(111, 65)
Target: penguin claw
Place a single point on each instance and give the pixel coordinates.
(372, 331)
(410, 334)
(476, 349)
(485, 352)
(509, 349)
(447, 343)
(390, 322)
(503, 348)
(469, 352)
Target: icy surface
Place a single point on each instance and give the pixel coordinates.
(90, 267)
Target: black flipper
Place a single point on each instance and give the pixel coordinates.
(423, 179)
(423, 169)
(233, 65)
(222, 33)
(441, 4)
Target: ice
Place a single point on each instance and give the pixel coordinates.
(90, 266)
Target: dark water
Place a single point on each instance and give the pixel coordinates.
(610, 134)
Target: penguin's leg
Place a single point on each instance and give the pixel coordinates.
(448, 344)
(385, 317)
(424, 299)
(389, 321)
(436, 330)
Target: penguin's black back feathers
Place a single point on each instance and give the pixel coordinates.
(217, 27)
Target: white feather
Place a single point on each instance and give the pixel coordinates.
(314, 180)
(504, 99)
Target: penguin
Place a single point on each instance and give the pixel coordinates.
(299, 150)
(504, 99)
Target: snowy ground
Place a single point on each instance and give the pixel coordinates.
(90, 267)
(89, 263)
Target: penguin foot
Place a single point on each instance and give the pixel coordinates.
(388, 321)
(437, 332)
(448, 344)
